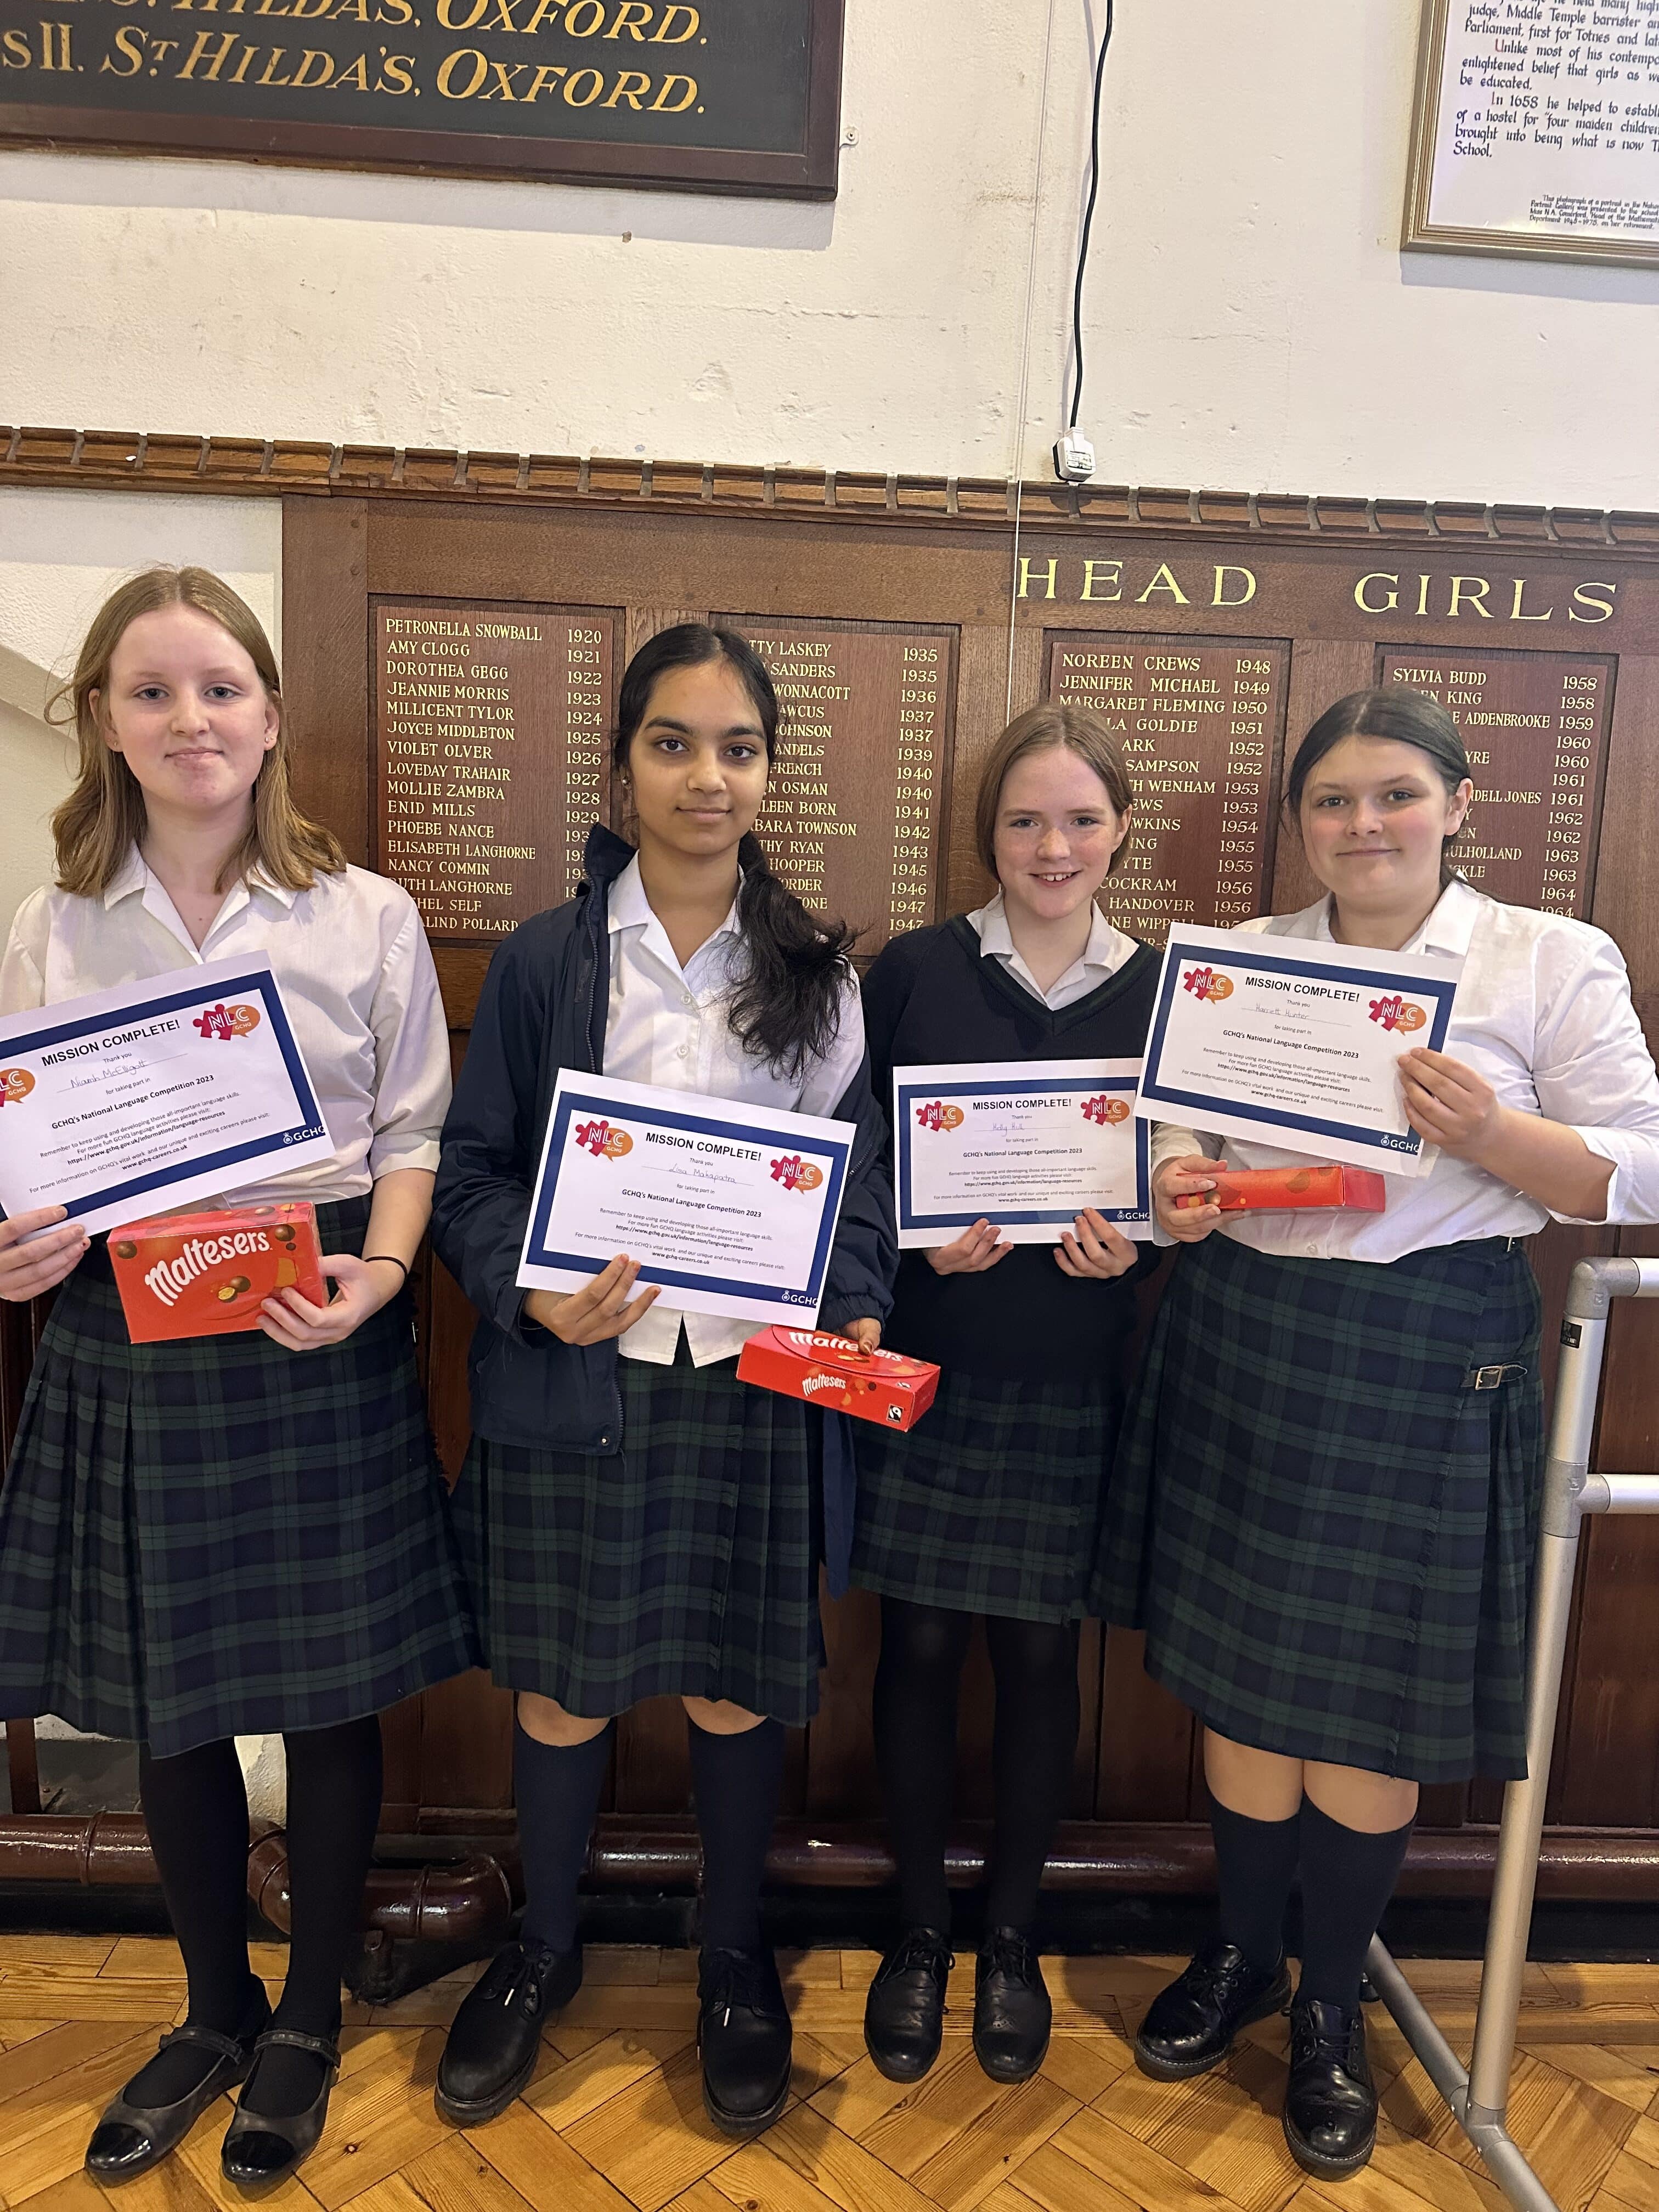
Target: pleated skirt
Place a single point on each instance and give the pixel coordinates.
(685, 1564)
(992, 1503)
(1326, 1534)
(217, 1536)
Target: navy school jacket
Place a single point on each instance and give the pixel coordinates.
(542, 1007)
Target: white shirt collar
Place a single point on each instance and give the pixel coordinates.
(629, 908)
(134, 875)
(1450, 926)
(995, 937)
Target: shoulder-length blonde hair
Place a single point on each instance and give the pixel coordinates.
(1038, 731)
(104, 816)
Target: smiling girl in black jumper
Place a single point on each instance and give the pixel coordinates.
(991, 1506)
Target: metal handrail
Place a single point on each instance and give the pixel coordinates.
(1479, 2098)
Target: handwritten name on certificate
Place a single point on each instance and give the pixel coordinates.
(731, 1207)
(1025, 1145)
(131, 1101)
(1294, 1041)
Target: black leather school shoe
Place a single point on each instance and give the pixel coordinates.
(1330, 2101)
(132, 2138)
(904, 2012)
(260, 2152)
(1191, 2025)
(744, 2039)
(1012, 2011)
(497, 2034)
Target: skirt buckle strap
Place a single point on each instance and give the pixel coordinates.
(1493, 1377)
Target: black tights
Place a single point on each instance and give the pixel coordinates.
(196, 1810)
(1034, 1667)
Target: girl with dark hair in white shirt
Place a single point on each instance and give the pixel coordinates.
(230, 1535)
(637, 1522)
(1323, 1511)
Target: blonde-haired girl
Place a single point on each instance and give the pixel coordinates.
(239, 1534)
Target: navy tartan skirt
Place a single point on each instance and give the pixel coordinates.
(685, 1565)
(992, 1503)
(216, 1536)
(1326, 1536)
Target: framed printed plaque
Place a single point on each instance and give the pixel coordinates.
(1535, 131)
(721, 96)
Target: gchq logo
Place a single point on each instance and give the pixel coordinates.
(1208, 983)
(601, 1138)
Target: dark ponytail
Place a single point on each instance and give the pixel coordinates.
(786, 1008)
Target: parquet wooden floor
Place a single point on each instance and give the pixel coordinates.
(612, 2120)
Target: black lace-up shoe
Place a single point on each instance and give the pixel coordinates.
(744, 2039)
(904, 2012)
(495, 2037)
(1190, 2025)
(1012, 2011)
(1330, 2103)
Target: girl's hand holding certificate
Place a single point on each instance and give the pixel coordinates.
(35, 1255)
(1448, 1104)
(601, 1310)
(1090, 1250)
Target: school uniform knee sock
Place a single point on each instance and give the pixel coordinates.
(737, 1781)
(914, 1715)
(1035, 1666)
(1255, 1865)
(1347, 1879)
(334, 1778)
(196, 1812)
(556, 1788)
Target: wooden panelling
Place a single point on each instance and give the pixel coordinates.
(1334, 579)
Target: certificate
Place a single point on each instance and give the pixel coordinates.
(131, 1101)
(731, 1207)
(1294, 1042)
(1023, 1144)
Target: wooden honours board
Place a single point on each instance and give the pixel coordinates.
(1200, 722)
(1534, 725)
(491, 725)
(1210, 649)
(855, 805)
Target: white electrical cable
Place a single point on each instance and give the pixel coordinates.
(1017, 471)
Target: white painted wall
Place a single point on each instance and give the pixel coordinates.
(1250, 321)
(60, 552)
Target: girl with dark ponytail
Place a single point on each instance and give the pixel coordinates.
(635, 1523)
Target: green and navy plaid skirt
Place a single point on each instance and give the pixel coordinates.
(685, 1564)
(216, 1536)
(992, 1503)
(1327, 1535)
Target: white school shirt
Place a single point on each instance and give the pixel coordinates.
(356, 977)
(1544, 1013)
(1107, 950)
(666, 1024)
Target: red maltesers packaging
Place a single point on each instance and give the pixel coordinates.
(207, 1274)
(1275, 1190)
(831, 1371)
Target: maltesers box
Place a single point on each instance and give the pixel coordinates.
(1276, 1190)
(833, 1371)
(207, 1274)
